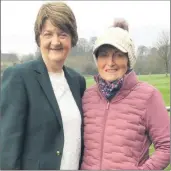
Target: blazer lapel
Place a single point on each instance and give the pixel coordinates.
(44, 81)
(74, 87)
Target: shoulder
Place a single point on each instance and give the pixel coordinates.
(146, 89)
(91, 91)
(144, 86)
(19, 69)
(17, 74)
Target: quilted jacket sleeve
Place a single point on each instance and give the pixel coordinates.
(158, 125)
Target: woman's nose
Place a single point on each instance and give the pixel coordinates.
(55, 40)
(110, 60)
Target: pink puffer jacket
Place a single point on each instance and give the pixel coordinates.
(118, 134)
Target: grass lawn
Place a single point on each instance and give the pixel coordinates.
(161, 82)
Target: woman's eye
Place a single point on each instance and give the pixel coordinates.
(63, 35)
(47, 34)
(120, 54)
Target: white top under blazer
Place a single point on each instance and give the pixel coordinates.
(71, 119)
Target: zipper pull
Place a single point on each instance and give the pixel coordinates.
(107, 107)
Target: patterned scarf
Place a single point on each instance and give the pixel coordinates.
(108, 89)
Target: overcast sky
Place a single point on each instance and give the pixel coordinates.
(146, 19)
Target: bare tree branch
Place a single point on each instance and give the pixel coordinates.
(163, 48)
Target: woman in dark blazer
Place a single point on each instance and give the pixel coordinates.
(41, 111)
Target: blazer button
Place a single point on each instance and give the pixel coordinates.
(58, 153)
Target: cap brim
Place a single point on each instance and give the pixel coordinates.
(114, 44)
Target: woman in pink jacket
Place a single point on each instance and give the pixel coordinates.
(123, 116)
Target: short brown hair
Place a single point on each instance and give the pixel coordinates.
(60, 16)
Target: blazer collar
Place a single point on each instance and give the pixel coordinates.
(44, 81)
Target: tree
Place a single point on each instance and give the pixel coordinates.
(28, 57)
(142, 59)
(163, 49)
(142, 51)
(92, 42)
(37, 53)
(154, 62)
(9, 57)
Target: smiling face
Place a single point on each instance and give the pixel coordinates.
(112, 63)
(55, 44)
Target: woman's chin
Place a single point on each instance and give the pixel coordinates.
(110, 79)
(56, 58)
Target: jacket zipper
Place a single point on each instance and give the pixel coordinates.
(102, 140)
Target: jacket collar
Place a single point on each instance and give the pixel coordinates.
(43, 78)
(129, 83)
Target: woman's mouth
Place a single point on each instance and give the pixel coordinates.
(59, 49)
(111, 70)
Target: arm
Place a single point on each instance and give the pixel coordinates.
(82, 89)
(83, 85)
(12, 119)
(158, 126)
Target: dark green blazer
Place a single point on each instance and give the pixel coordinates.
(31, 129)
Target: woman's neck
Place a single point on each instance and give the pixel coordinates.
(54, 66)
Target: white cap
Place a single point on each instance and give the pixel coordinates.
(120, 39)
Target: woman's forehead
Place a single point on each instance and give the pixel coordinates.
(51, 26)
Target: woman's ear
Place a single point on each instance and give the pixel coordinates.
(128, 61)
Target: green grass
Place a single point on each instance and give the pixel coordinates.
(161, 82)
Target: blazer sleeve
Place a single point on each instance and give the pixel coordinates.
(82, 89)
(83, 85)
(158, 126)
(12, 120)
